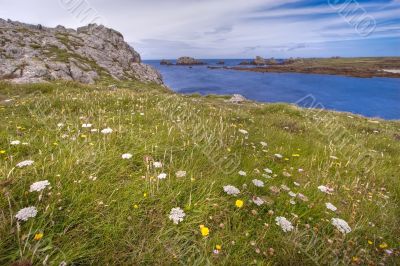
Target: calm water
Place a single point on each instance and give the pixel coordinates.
(372, 97)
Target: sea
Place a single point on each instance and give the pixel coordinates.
(370, 97)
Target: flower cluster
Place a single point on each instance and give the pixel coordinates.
(176, 215)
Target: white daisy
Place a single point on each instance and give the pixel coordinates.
(242, 173)
(258, 183)
(258, 201)
(284, 224)
(176, 215)
(126, 156)
(157, 164)
(162, 176)
(325, 189)
(15, 142)
(86, 125)
(107, 131)
(180, 174)
(39, 186)
(341, 225)
(26, 213)
(330, 206)
(25, 163)
(231, 190)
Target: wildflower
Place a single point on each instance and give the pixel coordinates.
(341, 225)
(39, 186)
(15, 142)
(244, 132)
(135, 206)
(162, 176)
(204, 230)
(60, 125)
(302, 197)
(239, 203)
(258, 201)
(330, 206)
(296, 184)
(301, 170)
(295, 155)
(258, 183)
(126, 156)
(180, 174)
(268, 171)
(383, 245)
(107, 131)
(86, 125)
(279, 156)
(26, 213)
(2, 152)
(218, 247)
(25, 163)
(284, 224)
(292, 194)
(231, 190)
(176, 215)
(38, 236)
(157, 164)
(325, 189)
(94, 130)
(264, 144)
(284, 187)
(242, 173)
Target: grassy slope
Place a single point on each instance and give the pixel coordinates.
(96, 222)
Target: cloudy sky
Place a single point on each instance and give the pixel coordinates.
(230, 28)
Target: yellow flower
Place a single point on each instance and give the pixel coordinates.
(239, 203)
(296, 155)
(286, 159)
(135, 206)
(370, 242)
(204, 230)
(55, 143)
(2, 152)
(83, 136)
(144, 195)
(383, 245)
(38, 236)
(218, 247)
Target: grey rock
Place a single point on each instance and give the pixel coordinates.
(237, 98)
(188, 61)
(34, 53)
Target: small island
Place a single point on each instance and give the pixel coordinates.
(188, 61)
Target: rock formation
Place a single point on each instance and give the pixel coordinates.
(30, 53)
(188, 61)
(259, 61)
(166, 62)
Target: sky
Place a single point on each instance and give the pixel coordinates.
(205, 29)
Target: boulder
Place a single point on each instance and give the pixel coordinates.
(166, 62)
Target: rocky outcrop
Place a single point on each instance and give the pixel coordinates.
(259, 61)
(237, 98)
(30, 53)
(188, 61)
(166, 62)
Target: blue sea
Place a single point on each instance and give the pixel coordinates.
(371, 97)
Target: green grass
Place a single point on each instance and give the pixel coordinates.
(95, 222)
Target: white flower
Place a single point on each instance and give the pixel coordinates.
(330, 206)
(26, 213)
(107, 131)
(258, 201)
(126, 156)
(25, 163)
(341, 225)
(284, 187)
(176, 215)
(284, 224)
(292, 194)
(162, 176)
(325, 189)
(279, 156)
(258, 183)
(231, 190)
(15, 142)
(268, 171)
(264, 144)
(60, 125)
(301, 170)
(39, 186)
(243, 131)
(296, 184)
(180, 174)
(157, 164)
(94, 130)
(242, 173)
(86, 125)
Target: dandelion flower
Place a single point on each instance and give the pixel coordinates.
(25, 163)
(162, 176)
(126, 156)
(107, 131)
(242, 173)
(157, 164)
(231, 190)
(258, 183)
(38, 236)
(26, 213)
(284, 224)
(258, 201)
(15, 142)
(330, 206)
(86, 125)
(176, 215)
(180, 174)
(341, 225)
(325, 189)
(204, 230)
(39, 186)
(239, 203)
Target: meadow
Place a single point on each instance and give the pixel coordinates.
(139, 175)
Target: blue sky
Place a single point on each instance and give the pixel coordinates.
(231, 28)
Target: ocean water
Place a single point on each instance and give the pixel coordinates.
(371, 97)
